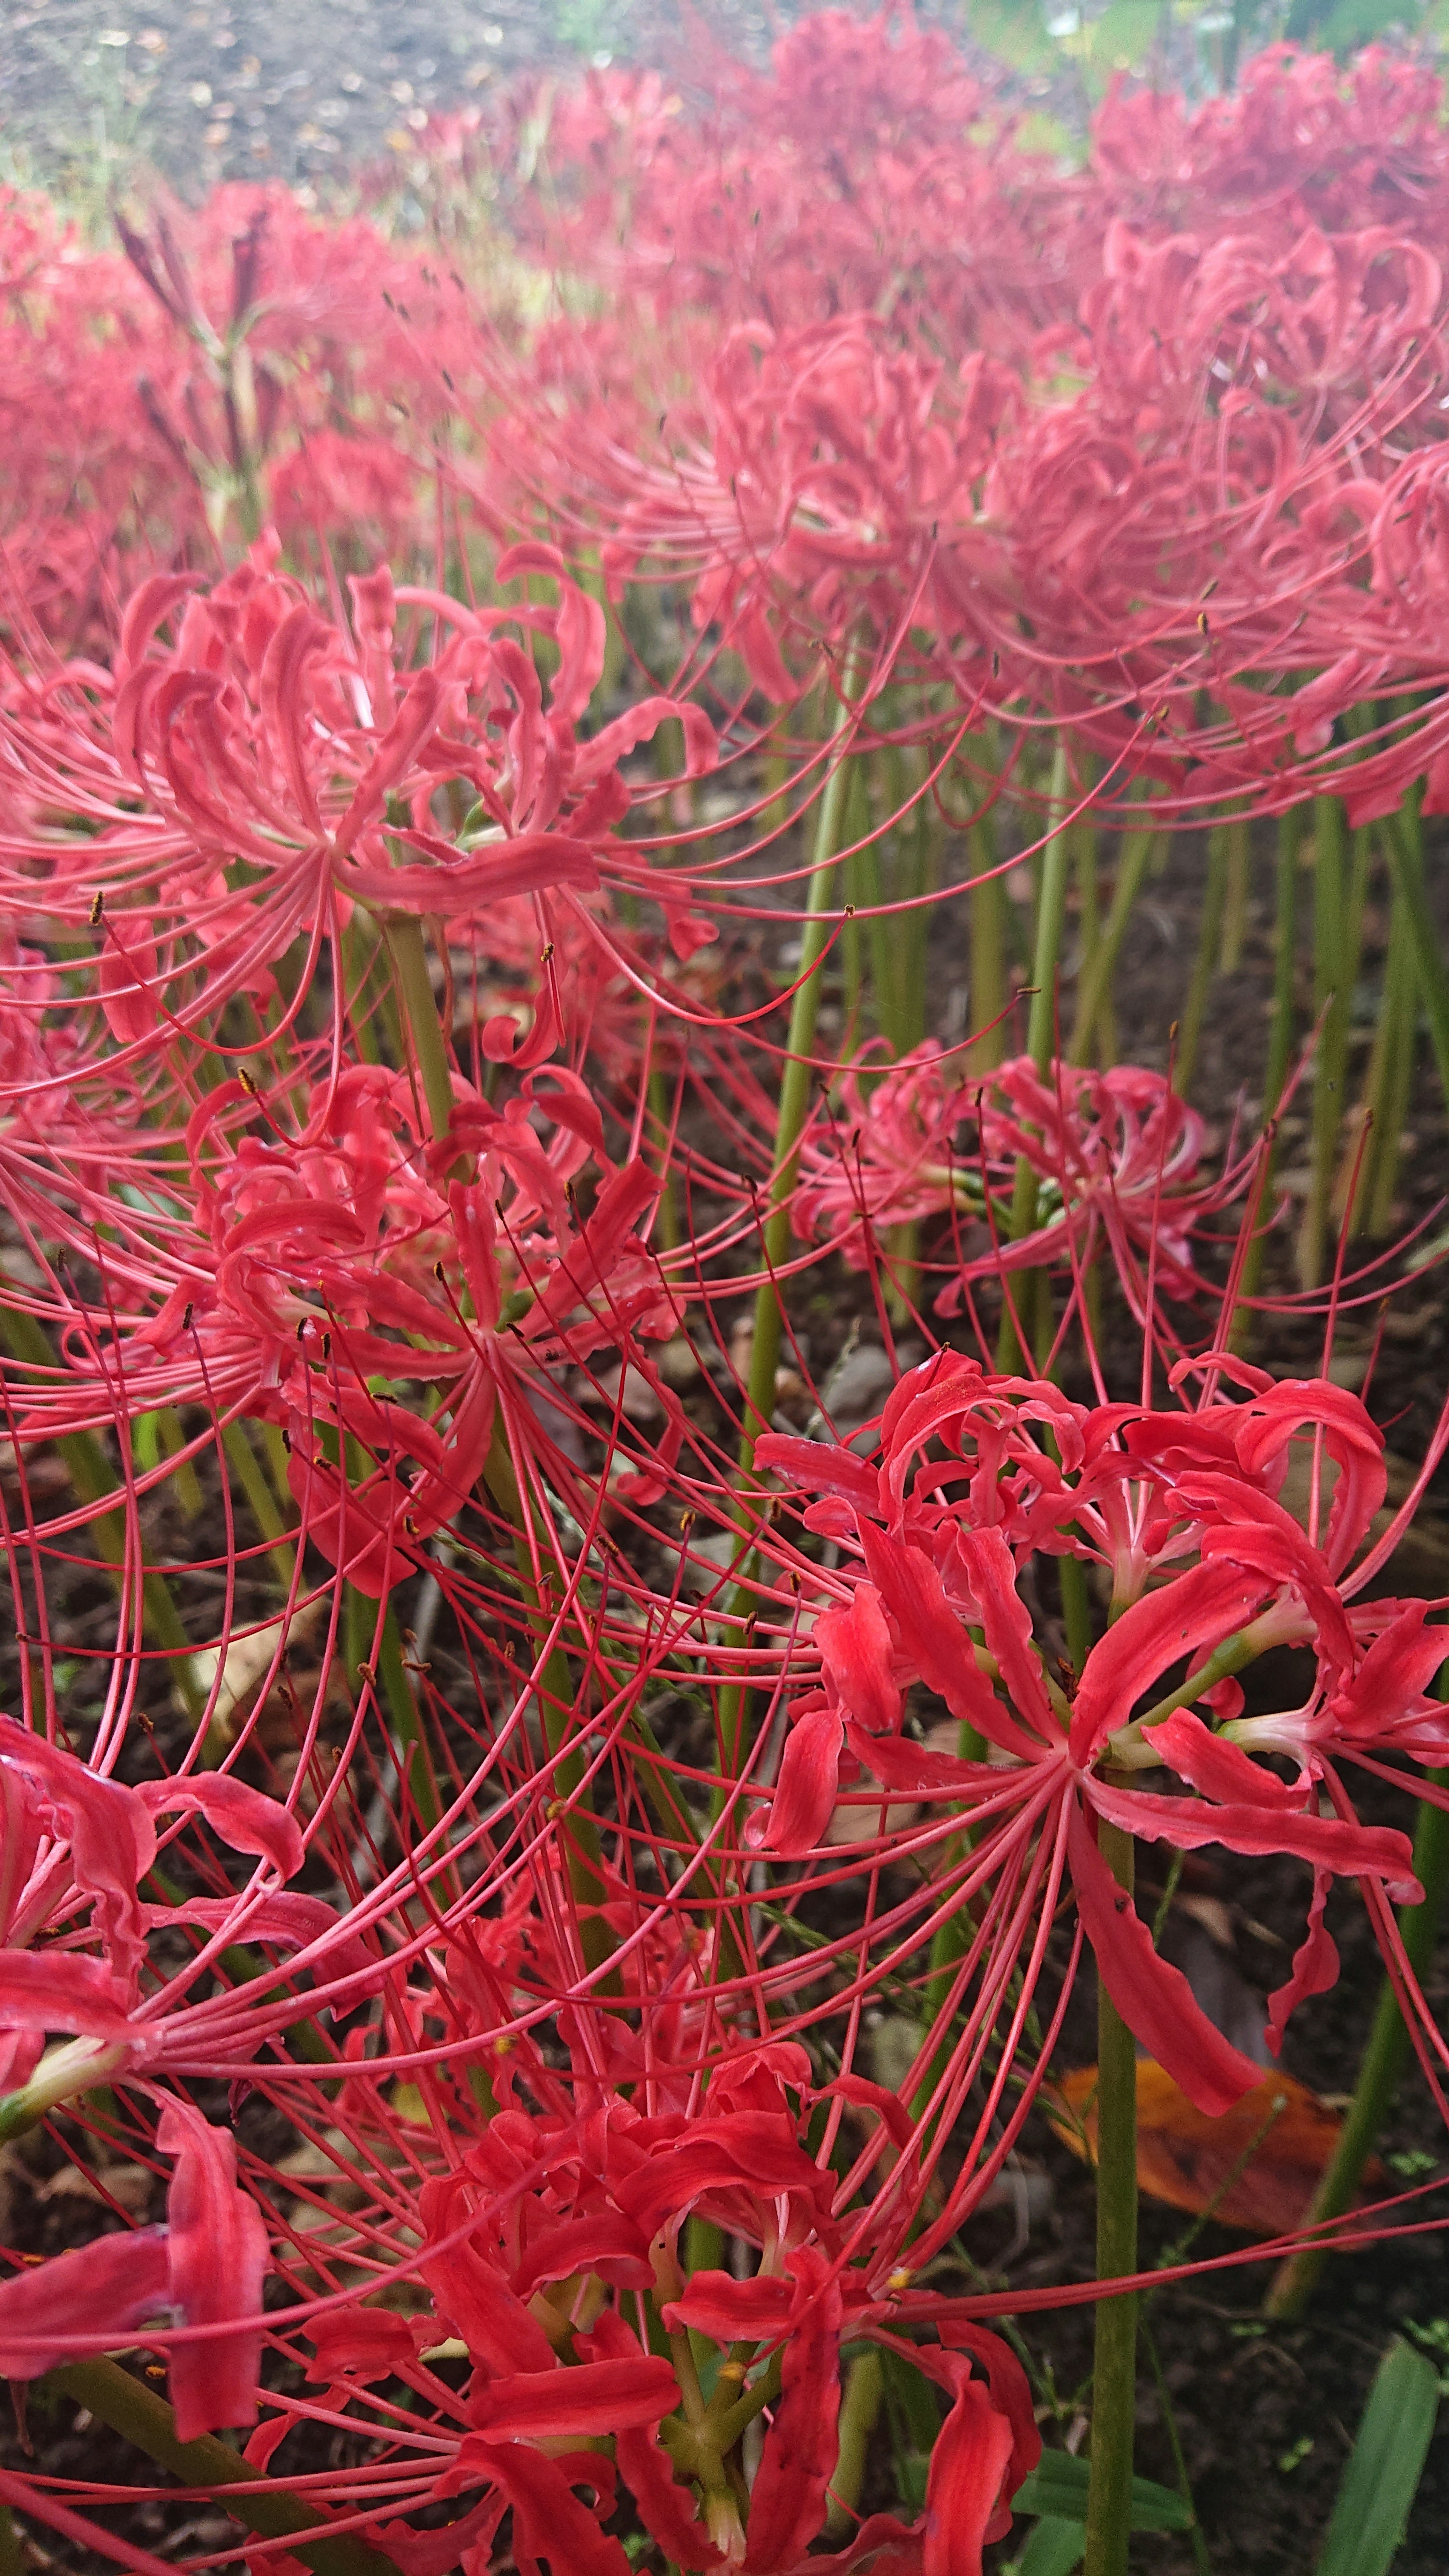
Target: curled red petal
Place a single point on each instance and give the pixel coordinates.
(105, 2289)
(787, 2501)
(1204, 1606)
(1328, 1842)
(936, 1642)
(592, 2397)
(548, 2519)
(1154, 2000)
(218, 2258)
(855, 1648)
(731, 2311)
(241, 1815)
(806, 1791)
(665, 2507)
(969, 2461)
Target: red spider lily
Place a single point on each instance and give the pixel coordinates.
(936, 1572)
(206, 2267)
(829, 470)
(846, 177)
(149, 398)
(1301, 140)
(1116, 1154)
(78, 1846)
(1198, 518)
(324, 1284)
(555, 2247)
(270, 737)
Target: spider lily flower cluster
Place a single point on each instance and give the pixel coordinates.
(486, 1746)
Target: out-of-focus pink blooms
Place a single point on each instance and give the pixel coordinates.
(936, 1569)
(147, 395)
(830, 470)
(1116, 1154)
(1207, 511)
(1301, 139)
(205, 2267)
(868, 169)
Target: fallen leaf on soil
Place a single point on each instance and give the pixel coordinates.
(1185, 2159)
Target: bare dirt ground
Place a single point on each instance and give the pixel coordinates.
(243, 89)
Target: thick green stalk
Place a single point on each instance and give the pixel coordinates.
(795, 1082)
(404, 936)
(1056, 860)
(1330, 1002)
(1114, 2362)
(1285, 935)
(949, 1943)
(860, 2406)
(583, 1850)
(403, 933)
(1280, 1043)
(987, 988)
(1094, 991)
(1406, 861)
(1205, 966)
(775, 1236)
(1381, 2067)
(115, 2398)
(1235, 908)
(1391, 1073)
(1041, 1037)
(256, 1485)
(94, 1481)
(414, 1761)
(1089, 914)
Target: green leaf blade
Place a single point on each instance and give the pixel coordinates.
(1384, 2468)
(1057, 2490)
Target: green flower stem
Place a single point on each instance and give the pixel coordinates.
(949, 1943)
(1094, 991)
(1114, 2365)
(1235, 907)
(94, 1480)
(1389, 1082)
(789, 1126)
(404, 936)
(1205, 966)
(555, 1693)
(987, 983)
(1381, 2068)
(795, 1090)
(1331, 971)
(1041, 1037)
(403, 933)
(1406, 864)
(256, 1485)
(1089, 901)
(414, 1761)
(860, 2407)
(1280, 1047)
(1285, 936)
(115, 2398)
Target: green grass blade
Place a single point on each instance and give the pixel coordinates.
(1053, 2548)
(1057, 2489)
(1385, 2466)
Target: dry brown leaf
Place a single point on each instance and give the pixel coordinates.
(1185, 2159)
